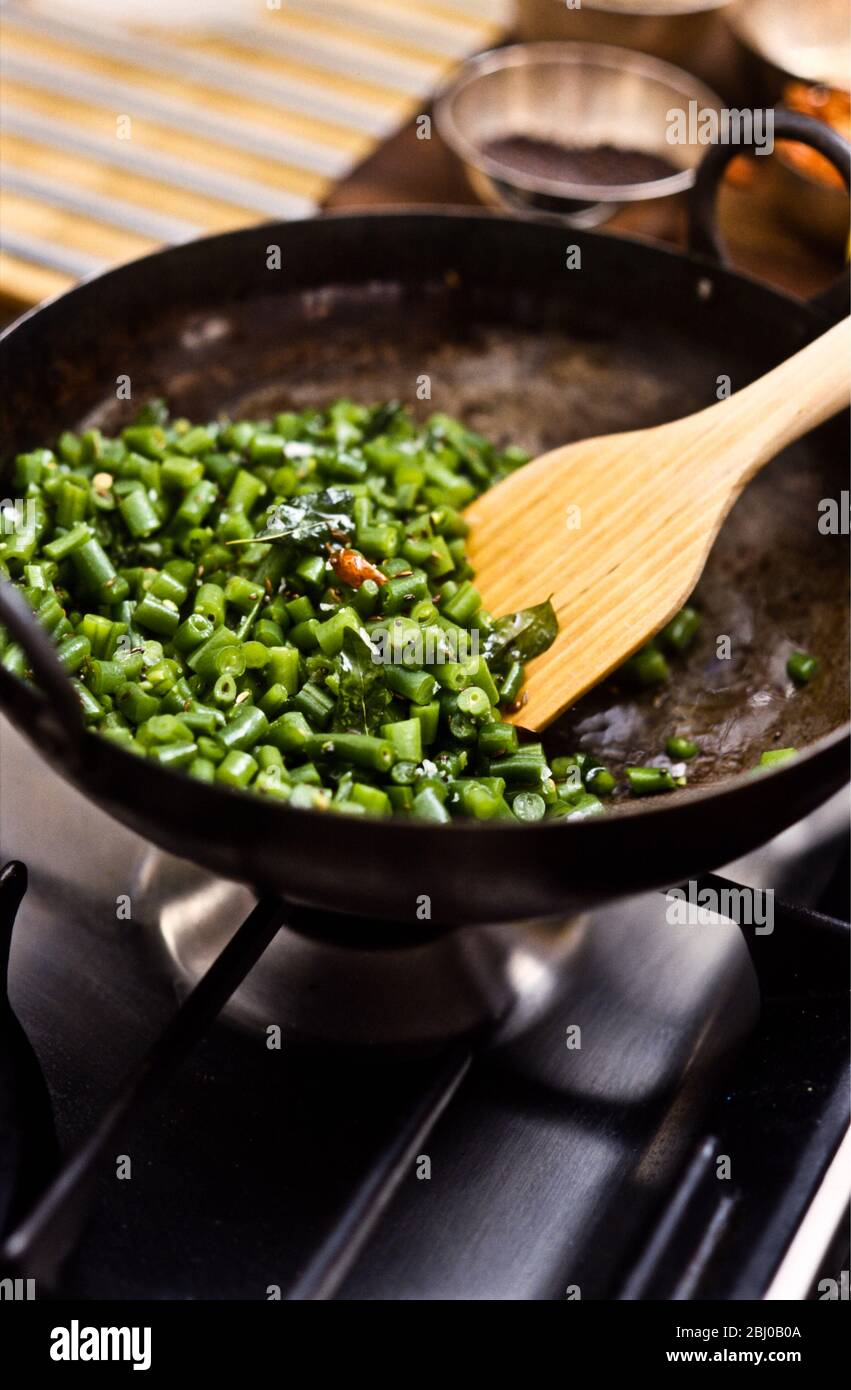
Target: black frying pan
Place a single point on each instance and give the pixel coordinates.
(528, 351)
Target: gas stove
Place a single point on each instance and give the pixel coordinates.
(614, 1107)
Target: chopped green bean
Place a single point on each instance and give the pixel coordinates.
(287, 606)
(773, 757)
(681, 749)
(236, 768)
(647, 667)
(681, 631)
(648, 781)
(801, 667)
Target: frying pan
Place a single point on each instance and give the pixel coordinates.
(524, 350)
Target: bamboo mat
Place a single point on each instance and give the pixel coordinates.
(118, 137)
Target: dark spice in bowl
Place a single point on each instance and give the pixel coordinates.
(578, 164)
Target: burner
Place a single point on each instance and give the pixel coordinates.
(370, 992)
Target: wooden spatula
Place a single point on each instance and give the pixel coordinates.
(617, 530)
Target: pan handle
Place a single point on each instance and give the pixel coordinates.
(703, 235)
(61, 724)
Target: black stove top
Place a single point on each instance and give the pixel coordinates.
(659, 1126)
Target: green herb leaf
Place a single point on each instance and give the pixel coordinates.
(310, 519)
(522, 635)
(363, 697)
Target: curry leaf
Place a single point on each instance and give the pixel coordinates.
(310, 518)
(521, 636)
(363, 697)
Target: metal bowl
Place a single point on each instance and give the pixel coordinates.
(790, 38)
(679, 31)
(571, 94)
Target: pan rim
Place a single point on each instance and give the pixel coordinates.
(430, 212)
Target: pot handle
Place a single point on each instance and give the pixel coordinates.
(61, 723)
(703, 235)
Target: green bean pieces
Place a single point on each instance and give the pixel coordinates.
(681, 749)
(801, 668)
(285, 607)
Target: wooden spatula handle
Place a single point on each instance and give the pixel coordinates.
(794, 398)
